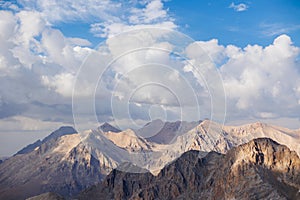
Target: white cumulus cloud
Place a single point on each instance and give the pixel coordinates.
(263, 79)
(239, 7)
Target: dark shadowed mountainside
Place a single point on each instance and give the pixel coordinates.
(259, 169)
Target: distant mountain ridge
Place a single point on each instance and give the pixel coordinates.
(165, 132)
(64, 130)
(70, 163)
(106, 127)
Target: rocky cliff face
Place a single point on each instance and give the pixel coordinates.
(260, 169)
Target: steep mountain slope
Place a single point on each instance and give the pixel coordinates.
(64, 130)
(47, 196)
(260, 169)
(67, 164)
(128, 140)
(46, 168)
(211, 136)
(64, 165)
(106, 127)
(2, 159)
(168, 131)
(150, 129)
(290, 138)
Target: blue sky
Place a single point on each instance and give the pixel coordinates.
(260, 23)
(241, 57)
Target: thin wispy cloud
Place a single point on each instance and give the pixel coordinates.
(106, 18)
(275, 29)
(239, 7)
(150, 13)
(65, 11)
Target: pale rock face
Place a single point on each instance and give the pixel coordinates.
(206, 136)
(128, 140)
(63, 165)
(64, 130)
(66, 143)
(285, 136)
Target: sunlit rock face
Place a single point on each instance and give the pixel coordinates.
(259, 169)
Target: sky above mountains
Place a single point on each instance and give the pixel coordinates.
(52, 71)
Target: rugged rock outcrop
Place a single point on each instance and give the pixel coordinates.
(260, 169)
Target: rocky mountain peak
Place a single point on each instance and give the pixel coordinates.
(268, 153)
(64, 130)
(166, 132)
(106, 127)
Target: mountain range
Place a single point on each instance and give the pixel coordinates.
(259, 169)
(68, 162)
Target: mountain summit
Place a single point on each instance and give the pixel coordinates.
(161, 132)
(64, 130)
(106, 127)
